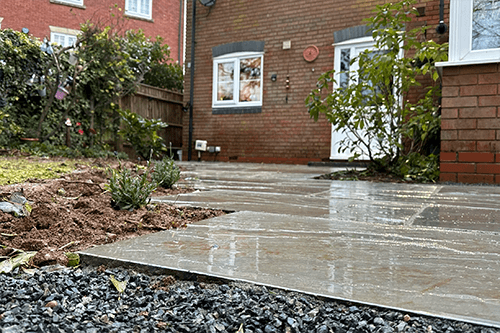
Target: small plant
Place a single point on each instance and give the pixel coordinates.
(166, 173)
(419, 168)
(129, 191)
(142, 133)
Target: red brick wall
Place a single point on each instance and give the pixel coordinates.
(470, 128)
(37, 15)
(283, 132)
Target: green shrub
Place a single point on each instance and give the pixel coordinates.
(370, 104)
(142, 134)
(166, 173)
(418, 167)
(129, 191)
(46, 149)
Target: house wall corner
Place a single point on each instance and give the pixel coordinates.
(470, 124)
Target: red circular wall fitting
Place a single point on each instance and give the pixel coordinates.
(311, 53)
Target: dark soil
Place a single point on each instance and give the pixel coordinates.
(371, 176)
(74, 213)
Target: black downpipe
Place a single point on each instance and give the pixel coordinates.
(442, 27)
(179, 36)
(191, 83)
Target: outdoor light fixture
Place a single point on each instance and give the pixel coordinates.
(207, 3)
(274, 77)
(442, 27)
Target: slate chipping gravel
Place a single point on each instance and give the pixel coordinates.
(85, 300)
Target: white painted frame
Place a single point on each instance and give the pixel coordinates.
(235, 58)
(138, 13)
(67, 38)
(461, 36)
(63, 32)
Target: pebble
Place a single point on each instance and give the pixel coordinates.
(42, 303)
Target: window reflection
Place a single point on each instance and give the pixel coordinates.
(225, 81)
(345, 59)
(486, 24)
(250, 79)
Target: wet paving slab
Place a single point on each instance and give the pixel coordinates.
(426, 248)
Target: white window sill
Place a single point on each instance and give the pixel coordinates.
(58, 2)
(137, 17)
(466, 62)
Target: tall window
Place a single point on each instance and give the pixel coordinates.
(139, 8)
(474, 31)
(238, 80)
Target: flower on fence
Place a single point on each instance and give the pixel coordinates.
(80, 131)
(78, 124)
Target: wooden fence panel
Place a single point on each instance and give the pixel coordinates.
(156, 103)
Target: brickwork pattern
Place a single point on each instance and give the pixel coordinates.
(283, 132)
(38, 15)
(470, 128)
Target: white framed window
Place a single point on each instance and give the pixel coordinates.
(62, 39)
(474, 31)
(63, 36)
(139, 8)
(237, 80)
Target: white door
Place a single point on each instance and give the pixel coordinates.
(344, 53)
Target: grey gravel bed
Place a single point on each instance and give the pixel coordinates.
(76, 300)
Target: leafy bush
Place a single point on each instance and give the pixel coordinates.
(418, 167)
(166, 173)
(371, 107)
(167, 76)
(129, 191)
(142, 134)
(21, 71)
(106, 64)
(45, 149)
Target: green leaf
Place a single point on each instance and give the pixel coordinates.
(120, 286)
(21, 259)
(435, 76)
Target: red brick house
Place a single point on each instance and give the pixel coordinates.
(59, 20)
(280, 49)
(470, 128)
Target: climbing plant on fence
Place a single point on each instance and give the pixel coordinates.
(96, 71)
(22, 65)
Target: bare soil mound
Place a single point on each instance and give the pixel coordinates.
(74, 212)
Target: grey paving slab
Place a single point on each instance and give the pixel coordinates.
(426, 248)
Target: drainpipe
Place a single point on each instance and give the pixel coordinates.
(442, 27)
(191, 83)
(179, 35)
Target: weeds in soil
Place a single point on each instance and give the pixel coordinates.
(13, 171)
(165, 173)
(128, 191)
